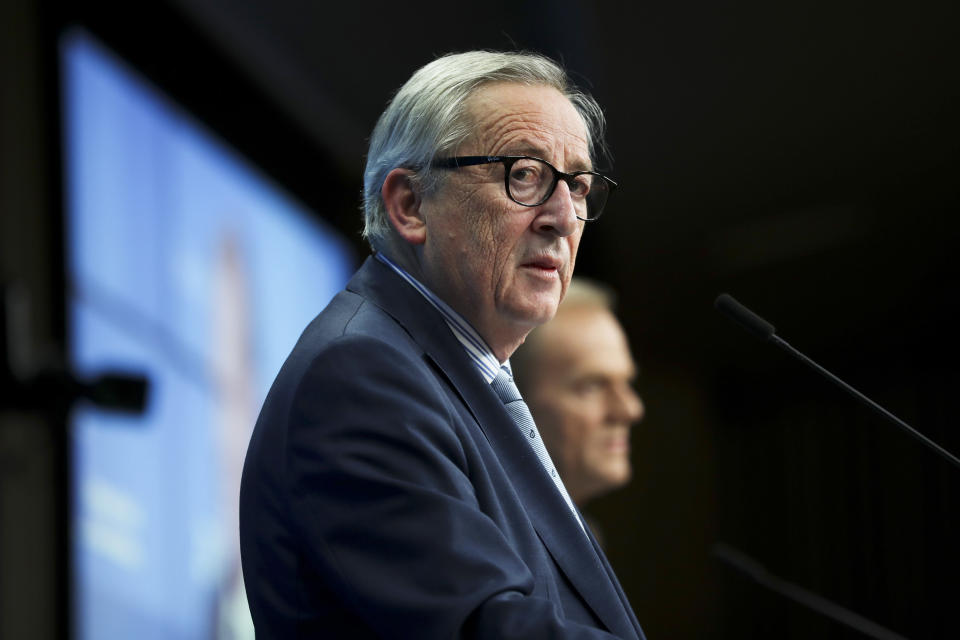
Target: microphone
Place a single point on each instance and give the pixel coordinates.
(728, 306)
(813, 601)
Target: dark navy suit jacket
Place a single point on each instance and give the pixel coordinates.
(387, 493)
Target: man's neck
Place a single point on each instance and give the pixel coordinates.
(502, 339)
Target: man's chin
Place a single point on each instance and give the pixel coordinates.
(617, 475)
(534, 310)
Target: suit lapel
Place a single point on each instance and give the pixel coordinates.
(575, 553)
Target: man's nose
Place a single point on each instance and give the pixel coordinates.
(558, 215)
(628, 406)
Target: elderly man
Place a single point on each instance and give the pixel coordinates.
(576, 375)
(395, 485)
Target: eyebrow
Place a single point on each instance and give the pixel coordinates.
(539, 152)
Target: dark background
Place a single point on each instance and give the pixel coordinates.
(802, 156)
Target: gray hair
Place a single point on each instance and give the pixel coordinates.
(427, 117)
(585, 292)
(582, 293)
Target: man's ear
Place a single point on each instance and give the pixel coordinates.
(402, 202)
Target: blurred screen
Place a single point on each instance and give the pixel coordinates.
(189, 265)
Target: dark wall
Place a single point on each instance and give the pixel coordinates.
(32, 518)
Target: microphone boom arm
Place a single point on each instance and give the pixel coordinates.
(756, 325)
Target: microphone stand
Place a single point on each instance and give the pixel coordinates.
(753, 569)
(756, 325)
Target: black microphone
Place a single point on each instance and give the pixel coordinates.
(813, 601)
(728, 306)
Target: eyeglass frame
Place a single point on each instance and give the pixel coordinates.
(455, 162)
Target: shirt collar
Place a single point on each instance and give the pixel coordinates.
(479, 353)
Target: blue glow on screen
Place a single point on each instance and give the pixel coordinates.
(189, 265)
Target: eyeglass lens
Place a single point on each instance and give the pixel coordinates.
(531, 182)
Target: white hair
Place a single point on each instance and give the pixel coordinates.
(582, 293)
(427, 118)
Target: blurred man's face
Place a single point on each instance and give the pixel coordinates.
(581, 395)
(504, 266)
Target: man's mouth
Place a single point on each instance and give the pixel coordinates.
(618, 445)
(546, 265)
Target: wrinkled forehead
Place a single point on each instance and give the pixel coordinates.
(536, 120)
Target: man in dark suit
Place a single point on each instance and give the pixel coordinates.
(395, 485)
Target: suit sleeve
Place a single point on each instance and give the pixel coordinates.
(380, 493)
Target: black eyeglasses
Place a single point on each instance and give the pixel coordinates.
(531, 181)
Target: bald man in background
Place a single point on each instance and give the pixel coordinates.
(576, 374)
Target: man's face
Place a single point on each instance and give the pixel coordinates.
(501, 265)
(580, 394)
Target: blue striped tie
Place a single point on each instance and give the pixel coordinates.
(508, 393)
